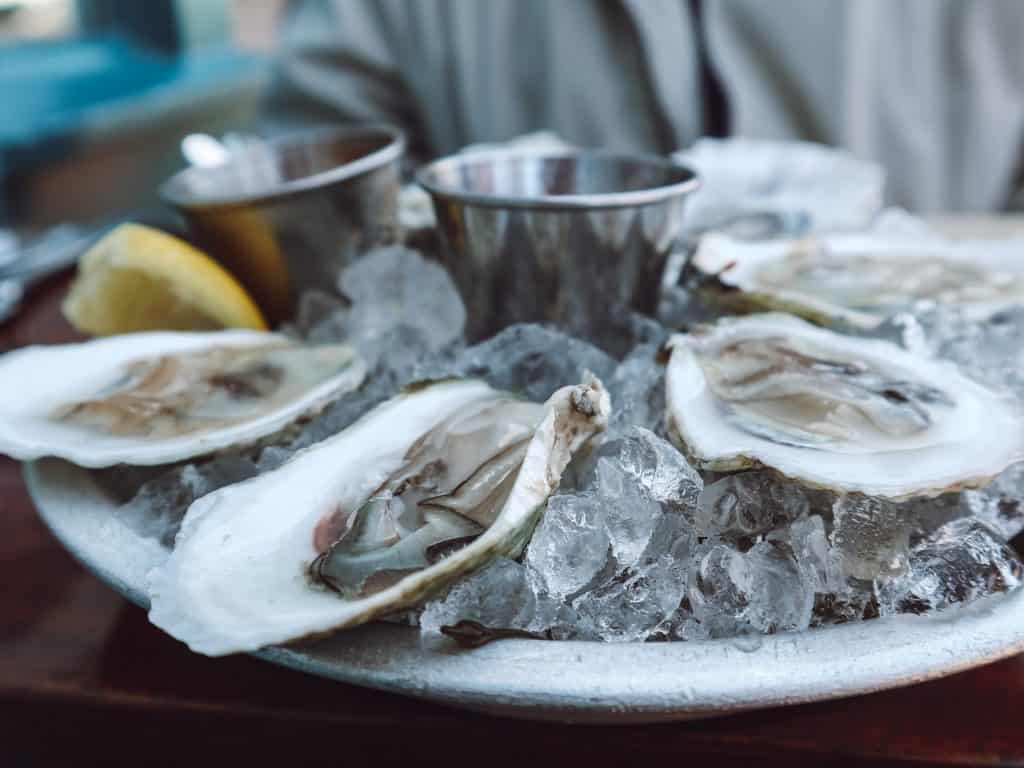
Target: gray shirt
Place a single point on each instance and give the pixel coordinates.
(931, 89)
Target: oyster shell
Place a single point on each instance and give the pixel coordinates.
(426, 487)
(157, 398)
(862, 279)
(832, 411)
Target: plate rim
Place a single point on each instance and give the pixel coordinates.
(573, 681)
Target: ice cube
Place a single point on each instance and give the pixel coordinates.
(807, 540)
(631, 515)
(750, 504)
(399, 351)
(636, 504)
(400, 311)
(927, 514)
(660, 470)
(673, 535)
(503, 595)
(394, 287)
(533, 361)
(960, 562)
(870, 538)
(720, 582)
(641, 479)
(839, 598)
(570, 546)
(320, 317)
(632, 607)
(784, 592)
(623, 330)
(637, 389)
(1001, 503)
(762, 589)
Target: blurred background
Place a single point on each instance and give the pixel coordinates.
(95, 96)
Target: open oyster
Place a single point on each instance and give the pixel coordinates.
(847, 414)
(157, 398)
(862, 279)
(426, 487)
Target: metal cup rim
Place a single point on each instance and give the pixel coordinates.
(597, 200)
(391, 151)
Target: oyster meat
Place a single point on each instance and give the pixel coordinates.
(862, 279)
(426, 487)
(157, 398)
(847, 414)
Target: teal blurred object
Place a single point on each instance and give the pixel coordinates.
(105, 116)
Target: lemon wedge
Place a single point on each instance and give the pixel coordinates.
(137, 278)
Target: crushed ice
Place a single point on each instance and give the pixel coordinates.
(637, 545)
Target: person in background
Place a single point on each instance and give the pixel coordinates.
(931, 89)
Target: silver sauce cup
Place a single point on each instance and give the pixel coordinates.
(565, 237)
(287, 215)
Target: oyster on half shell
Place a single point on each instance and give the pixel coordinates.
(424, 488)
(847, 414)
(157, 398)
(862, 279)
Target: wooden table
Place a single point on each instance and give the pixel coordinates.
(84, 677)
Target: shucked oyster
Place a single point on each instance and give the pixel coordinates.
(426, 487)
(851, 415)
(863, 279)
(156, 398)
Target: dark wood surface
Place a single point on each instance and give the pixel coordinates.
(85, 678)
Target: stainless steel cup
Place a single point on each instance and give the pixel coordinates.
(286, 215)
(566, 237)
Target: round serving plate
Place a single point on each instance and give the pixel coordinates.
(574, 681)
